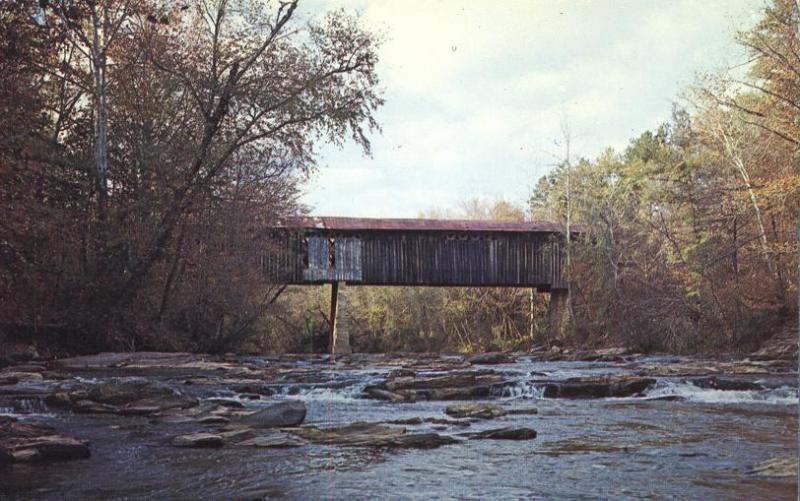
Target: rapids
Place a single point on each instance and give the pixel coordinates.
(676, 440)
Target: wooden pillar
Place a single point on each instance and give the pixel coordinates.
(338, 335)
(530, 319)
(558, 313)
(332, 316)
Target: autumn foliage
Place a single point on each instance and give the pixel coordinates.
(145, 146)
(692, 244)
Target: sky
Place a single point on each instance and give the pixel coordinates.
(478, 92)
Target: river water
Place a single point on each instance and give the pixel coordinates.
(676, 441)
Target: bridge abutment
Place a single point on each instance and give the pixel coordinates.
(558, 313)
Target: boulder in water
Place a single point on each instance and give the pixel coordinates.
(281, 415)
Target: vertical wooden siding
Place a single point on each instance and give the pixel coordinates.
(512, 259)
(418, 258)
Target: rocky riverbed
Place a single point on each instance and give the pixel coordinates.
(548, 424)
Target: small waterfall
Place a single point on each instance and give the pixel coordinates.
(24, 406)
(338, 394)
(520, 390)
(686, 390)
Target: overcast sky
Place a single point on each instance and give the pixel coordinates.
(476, 92)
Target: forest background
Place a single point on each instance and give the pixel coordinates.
(146, 146)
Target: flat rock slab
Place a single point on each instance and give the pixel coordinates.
(381, 394)
(459, 393)
(50, 448)
(447, 381)
(491, 358)
(420, 441)
(28, 442)
(201, 440)
(523, 412)
(372, 435)
(481, 411)
(213, 420)
(276, 441)
(156, 361)
(227, 402)
(129, 397)
(128, 391)
(603, 387)
(356, 434)
(406, 386)
(110, 360)
(418, 421)
(504, 434)
(777, 467)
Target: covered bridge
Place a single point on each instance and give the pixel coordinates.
(415, 252)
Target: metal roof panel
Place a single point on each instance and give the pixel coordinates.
(411, 224)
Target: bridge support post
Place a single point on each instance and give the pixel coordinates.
(338, 334)
(558, 313)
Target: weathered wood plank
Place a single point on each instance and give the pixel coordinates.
(528, 259)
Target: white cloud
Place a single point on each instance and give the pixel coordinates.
(476, 91)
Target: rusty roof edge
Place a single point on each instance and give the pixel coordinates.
(335, 223)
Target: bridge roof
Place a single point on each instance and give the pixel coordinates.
(410, 224)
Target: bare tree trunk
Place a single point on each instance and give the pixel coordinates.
(98, 58)
(735, 155)
(568, 229)
(530, 326)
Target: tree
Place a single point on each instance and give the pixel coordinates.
(176, 133)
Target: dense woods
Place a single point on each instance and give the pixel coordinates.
(142, 148)
(145, 146)
(692, 243)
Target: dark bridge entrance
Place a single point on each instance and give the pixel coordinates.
(416, 252)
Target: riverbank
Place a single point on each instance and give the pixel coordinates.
(550, 423)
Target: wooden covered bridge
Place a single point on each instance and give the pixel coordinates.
(416, 252)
